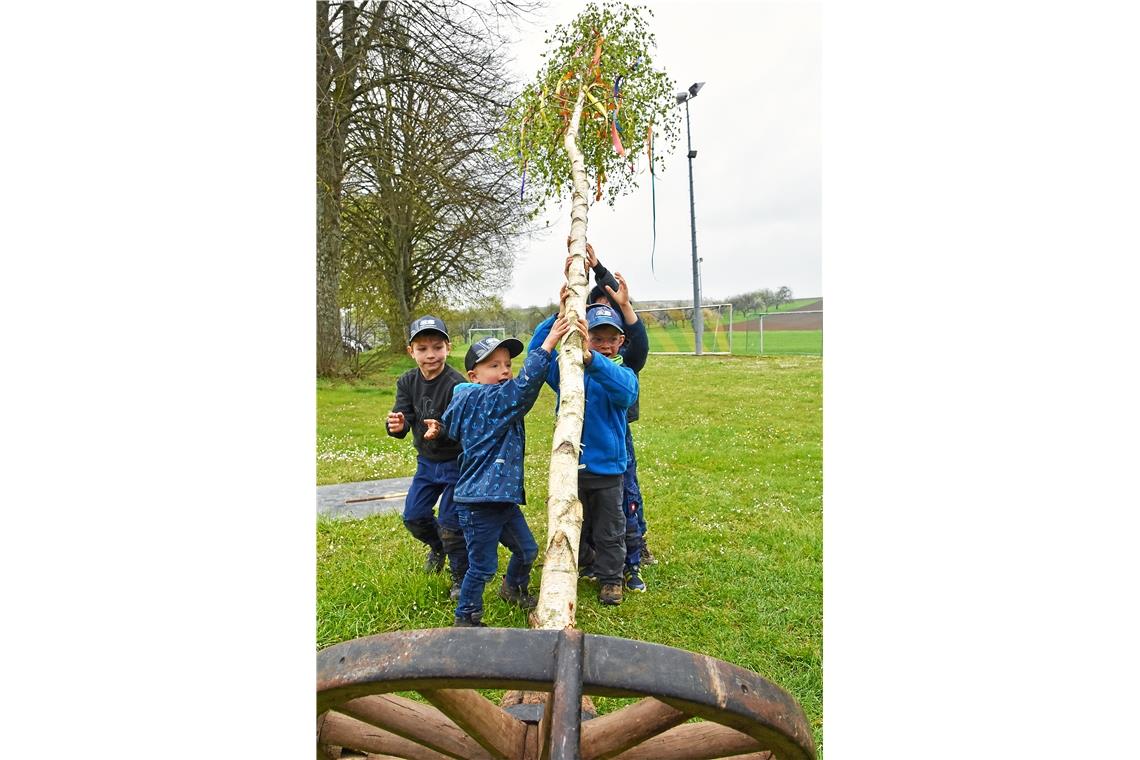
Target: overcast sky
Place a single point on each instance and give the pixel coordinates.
(756, 127)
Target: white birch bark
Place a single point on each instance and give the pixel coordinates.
(558, 595)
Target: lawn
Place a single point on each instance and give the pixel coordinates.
(744, 342)
(729, 451)
(808, 342)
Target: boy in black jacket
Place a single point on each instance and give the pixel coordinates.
(422, 395)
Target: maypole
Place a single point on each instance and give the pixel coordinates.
(563, 127)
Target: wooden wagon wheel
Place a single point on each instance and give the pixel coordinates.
(744, 715)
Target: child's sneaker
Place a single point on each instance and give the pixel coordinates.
(610, 593)
(434, 561)
(633, 581)
(587, 574)
(517, 595)
(474, 621)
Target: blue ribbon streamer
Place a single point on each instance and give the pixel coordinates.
(617, 89)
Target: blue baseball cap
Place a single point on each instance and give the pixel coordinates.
(599, 314)
(426, 323)
(482, 349)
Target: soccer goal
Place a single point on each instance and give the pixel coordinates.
(478, 333)
(671, 329)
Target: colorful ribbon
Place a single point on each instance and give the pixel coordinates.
(615, 127)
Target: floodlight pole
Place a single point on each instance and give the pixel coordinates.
(698, 317)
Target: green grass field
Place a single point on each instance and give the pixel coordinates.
(744, 343)
(729, 452)
(805, 342)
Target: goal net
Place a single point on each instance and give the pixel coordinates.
(478, 333)
(671, 329)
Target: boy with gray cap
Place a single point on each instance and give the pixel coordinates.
(486, 418)
(422, 394)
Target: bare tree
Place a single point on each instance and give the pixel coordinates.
(343, 40)
(357, 43)
(431, 213)
(745, 302)
(782, 296)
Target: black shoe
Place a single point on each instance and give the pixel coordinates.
(587, 574)
(434, 561)
(475, 621)
(517, 595)
(646, 557)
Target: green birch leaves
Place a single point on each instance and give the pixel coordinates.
(608, 51)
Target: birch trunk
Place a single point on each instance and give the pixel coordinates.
(558, 595)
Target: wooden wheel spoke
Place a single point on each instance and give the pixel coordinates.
(342, 731)
(544, 729)
(500, 734)
(693, 741)
(415, 721)
(610, 735)
(743, 713)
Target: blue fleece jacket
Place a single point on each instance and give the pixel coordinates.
(487, 420)
(610, 389)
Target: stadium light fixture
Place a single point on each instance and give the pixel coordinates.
(698, 318)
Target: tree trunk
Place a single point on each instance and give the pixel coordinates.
(336, 79)
(558, 595)
(329, 345)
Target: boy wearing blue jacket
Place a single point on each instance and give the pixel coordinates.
(486, 418)
(612, 289)
(610, 389)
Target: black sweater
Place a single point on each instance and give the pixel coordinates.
(420, 400)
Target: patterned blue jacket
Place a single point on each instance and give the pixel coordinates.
(610, 389)
(487, 420)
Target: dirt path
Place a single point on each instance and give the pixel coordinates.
(785, 320)
(363, 499)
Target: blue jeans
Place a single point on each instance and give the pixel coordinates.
(433, 481)
(632, 505)
(436, 481)
(484, 526)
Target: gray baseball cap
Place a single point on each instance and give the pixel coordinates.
(426, 323)
(481, 350)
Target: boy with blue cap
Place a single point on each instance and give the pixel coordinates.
(610, 389)
(612, 289)
(486, 418)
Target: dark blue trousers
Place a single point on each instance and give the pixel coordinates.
(484, 527)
